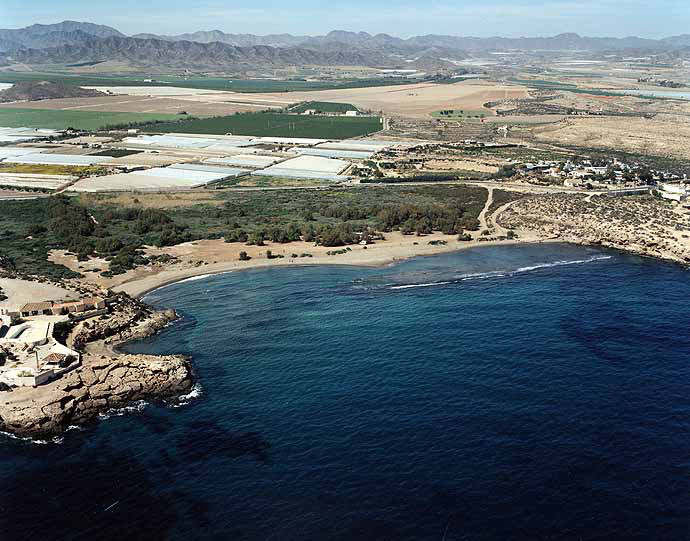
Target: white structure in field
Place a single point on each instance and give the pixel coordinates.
(246, 160)
(58, 159)
(674, 192)
(26, 135)
(308, 167)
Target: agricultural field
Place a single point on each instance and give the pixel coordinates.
(542, 84)
(323, 107)
(80, 120)
(274, 124)
(205, 83)
(50, 169)
(252, 181)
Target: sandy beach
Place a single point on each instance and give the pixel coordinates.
(221, 257)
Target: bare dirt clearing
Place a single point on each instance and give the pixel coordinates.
(659, 136)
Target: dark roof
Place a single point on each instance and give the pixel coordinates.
(54, 357)
(36, 306)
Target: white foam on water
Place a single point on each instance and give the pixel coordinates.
(190, 279)
(194, 278)
(135, 407)
(562, 263)
(421, 285)
(504, 273)
(56, 440)
(196, 391)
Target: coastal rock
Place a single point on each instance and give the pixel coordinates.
(641, 224)
(105, 379)
(83, 394)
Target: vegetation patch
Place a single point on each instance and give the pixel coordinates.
(99, 226)
(501, 197)
(116, 152)
(456, 114)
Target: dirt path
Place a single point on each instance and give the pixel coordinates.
(500, 230)
(483, 223)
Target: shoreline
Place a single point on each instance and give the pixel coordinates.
(140, 287)
(126, 378)
(134, 288)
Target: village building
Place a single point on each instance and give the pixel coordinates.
(31, 356)
(51, 308)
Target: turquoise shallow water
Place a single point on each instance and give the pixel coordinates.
(516, 392)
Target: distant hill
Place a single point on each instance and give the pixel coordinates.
(187, 54)
(238, 40)
(364, 40)
(39, 36)
(80, 43)
(45, 90)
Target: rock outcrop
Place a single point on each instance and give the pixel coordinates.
(106, 378)
(639, 224)
(100, 384)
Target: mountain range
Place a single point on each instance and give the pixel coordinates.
(71, 42)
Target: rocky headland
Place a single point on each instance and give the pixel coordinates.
(106, 379)
(643, 225)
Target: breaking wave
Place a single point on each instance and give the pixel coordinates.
(503, 273)
(196, 391)
(134, 407)
(56, 440)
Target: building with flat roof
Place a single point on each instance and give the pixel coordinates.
(31, 356)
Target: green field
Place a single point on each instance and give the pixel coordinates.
(274, 124)
(200, 82)
(323, 107)
(454, 114)
(80, 120)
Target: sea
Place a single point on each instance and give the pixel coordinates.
(498, 393)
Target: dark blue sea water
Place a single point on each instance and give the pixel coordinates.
(517, 392)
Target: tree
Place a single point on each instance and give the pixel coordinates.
(244, 256)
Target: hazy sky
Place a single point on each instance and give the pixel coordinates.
(404, 18)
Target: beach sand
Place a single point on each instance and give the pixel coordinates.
(215, 256)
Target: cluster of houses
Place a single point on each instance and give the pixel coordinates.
(29, 353)
(578, 175)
